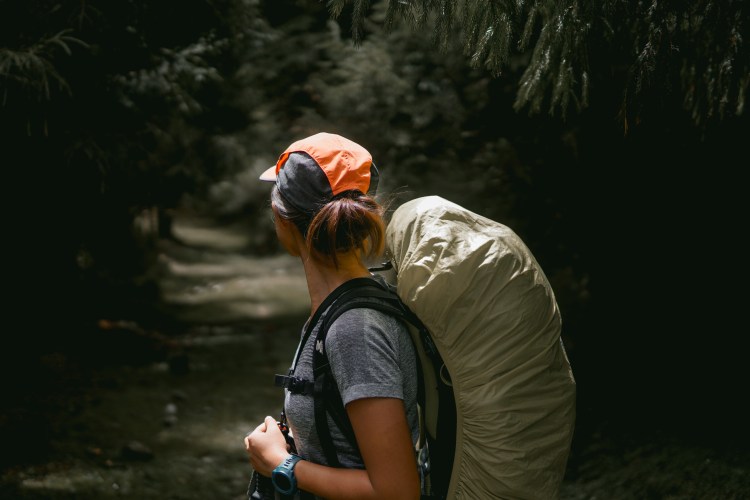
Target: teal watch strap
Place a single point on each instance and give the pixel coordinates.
(283, 476)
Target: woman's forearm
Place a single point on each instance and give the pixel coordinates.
(345, 484)
(333, 483)
(384, 440)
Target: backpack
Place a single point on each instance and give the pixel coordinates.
(496, 390)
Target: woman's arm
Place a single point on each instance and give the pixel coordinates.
(384, 439)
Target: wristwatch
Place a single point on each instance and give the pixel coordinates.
(283, 476)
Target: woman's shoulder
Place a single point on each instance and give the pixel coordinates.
(366, 324)
(367, 318)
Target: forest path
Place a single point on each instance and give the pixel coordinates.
(173, 429)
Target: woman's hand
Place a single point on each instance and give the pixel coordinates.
(266, 447)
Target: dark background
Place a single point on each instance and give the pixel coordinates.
(633, 203)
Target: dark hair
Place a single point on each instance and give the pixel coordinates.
(351, 220)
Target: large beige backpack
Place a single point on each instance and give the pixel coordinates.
(494, 320)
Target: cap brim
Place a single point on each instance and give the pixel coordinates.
(269, 175)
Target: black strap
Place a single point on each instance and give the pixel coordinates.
(374, 295)
(327, 387)
(327, 399)
(326, 395)
(293, 384)
(370, 293)
(332, 297)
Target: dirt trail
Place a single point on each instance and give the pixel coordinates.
(174, 429)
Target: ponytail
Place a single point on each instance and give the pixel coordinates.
(350, 221)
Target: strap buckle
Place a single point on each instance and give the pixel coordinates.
(293, 384)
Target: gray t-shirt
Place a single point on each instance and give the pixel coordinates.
(371, 355)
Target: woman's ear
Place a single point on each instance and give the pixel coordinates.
(288, 234)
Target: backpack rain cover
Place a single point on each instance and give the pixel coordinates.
(494, 319)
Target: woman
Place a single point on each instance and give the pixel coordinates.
(324, 214)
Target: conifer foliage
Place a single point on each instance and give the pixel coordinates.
(693, 51)
(109, 110)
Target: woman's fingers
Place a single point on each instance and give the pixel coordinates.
(270, 423)
(263, 426)
(266, 448)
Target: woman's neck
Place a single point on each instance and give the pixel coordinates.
(323, 277)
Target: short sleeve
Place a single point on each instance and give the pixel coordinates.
(363, 347)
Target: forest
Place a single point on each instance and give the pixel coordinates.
(609, 135)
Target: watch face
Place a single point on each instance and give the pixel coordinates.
(283, 476)
(281, 481)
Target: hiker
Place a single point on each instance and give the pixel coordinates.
(325, 214)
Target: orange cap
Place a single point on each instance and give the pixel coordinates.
(311, 171)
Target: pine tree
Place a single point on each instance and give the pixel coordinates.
(693, 51)
(106, 111)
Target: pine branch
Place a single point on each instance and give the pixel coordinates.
(558, 64)
(695, 48)
(494, 29)
(33, 69)
(696, 52)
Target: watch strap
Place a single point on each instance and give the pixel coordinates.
(283, 475)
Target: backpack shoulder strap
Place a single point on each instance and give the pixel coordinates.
(369, 293)
(327, 399)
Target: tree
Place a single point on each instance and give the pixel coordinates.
(636, 121)
(694, 51)
(106, 110)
